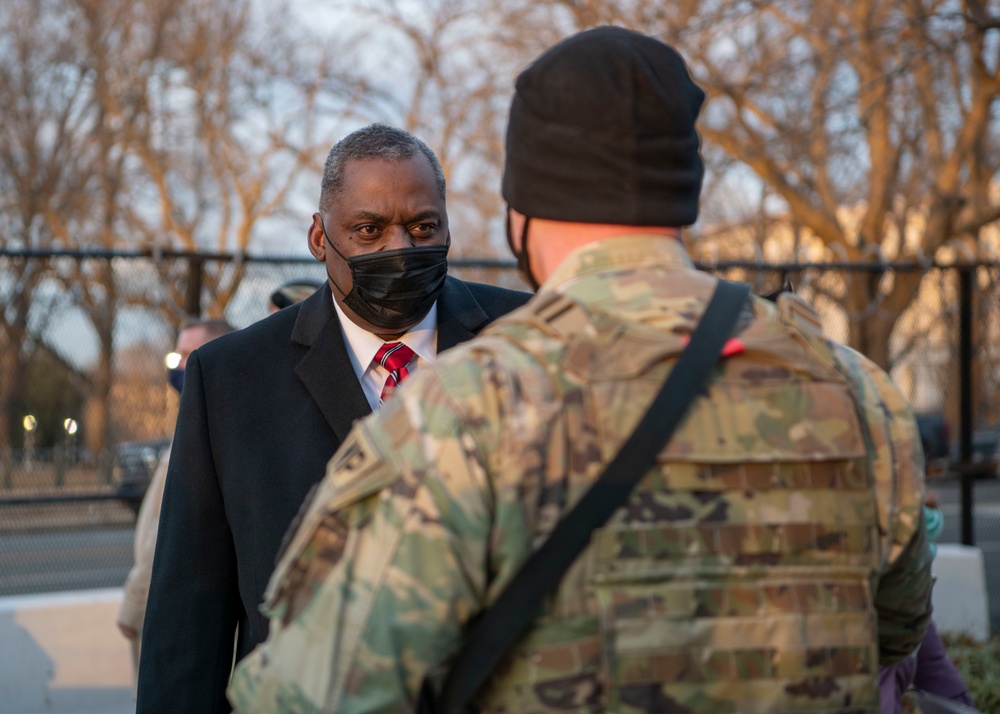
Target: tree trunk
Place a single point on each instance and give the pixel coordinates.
(99, 428)
(872, 314)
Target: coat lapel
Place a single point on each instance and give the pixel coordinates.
(460, 316)
(326, 369)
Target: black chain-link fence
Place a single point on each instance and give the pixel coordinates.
(85, 407)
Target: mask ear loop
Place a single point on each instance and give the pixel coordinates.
(524, 259)
(327, 269)
(523, 262)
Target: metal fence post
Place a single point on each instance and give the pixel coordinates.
(192, 298)
(966, 474)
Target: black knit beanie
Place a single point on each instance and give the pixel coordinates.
(601, 130)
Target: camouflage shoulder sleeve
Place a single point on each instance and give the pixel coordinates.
(387, 564)
(308, 595)
(903, 585)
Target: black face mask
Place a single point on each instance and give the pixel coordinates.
(523, 264)
(176, 378)
(394, 289)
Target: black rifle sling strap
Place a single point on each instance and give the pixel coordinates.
(500, 626)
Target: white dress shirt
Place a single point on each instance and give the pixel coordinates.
(362, 346)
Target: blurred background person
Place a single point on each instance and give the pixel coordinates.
(194, 333)
(930, 670)
(292, 292)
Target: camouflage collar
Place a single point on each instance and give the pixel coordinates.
(619, 253)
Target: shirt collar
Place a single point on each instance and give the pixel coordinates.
(362, 345)
(619, 253)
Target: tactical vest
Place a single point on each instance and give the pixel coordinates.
(738, 578)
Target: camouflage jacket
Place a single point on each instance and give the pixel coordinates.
(771, 562)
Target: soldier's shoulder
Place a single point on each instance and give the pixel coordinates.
(497, 300)
(508, 361)
(796, 312)
(859, 368)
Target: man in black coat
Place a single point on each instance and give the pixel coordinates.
(263, 409)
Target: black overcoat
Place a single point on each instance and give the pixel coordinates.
(263, 410)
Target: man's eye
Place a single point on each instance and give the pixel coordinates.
(367, 230)
(424, 229)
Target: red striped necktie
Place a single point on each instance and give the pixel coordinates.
(393, 356)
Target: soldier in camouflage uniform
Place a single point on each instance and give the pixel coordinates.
(770, 562)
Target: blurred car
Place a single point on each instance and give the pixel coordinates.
(935, 435)
(985, 454)
(943, 452)
(985, 443)
(135, 463)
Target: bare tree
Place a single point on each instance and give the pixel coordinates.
(242, 107)
(870, 127)
(40, 151)
(152, 124)
(874, 122)
(441, 73)
(870, 120)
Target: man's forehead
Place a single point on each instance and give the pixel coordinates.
(375, 184)
(360, 169)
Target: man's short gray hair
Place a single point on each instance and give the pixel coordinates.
(375, 141)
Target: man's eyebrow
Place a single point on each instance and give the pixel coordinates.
(424, 215)
(363, 215)
(373, 217)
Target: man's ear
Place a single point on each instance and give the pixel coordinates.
(316, 238)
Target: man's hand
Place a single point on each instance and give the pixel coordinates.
(129, 633)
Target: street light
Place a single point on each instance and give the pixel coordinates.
(71, 427)
(30, 424)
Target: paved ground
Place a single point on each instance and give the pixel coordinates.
(61, 654)
(76, 559)
(54, 548)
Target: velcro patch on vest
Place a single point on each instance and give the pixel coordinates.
(748, 417)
